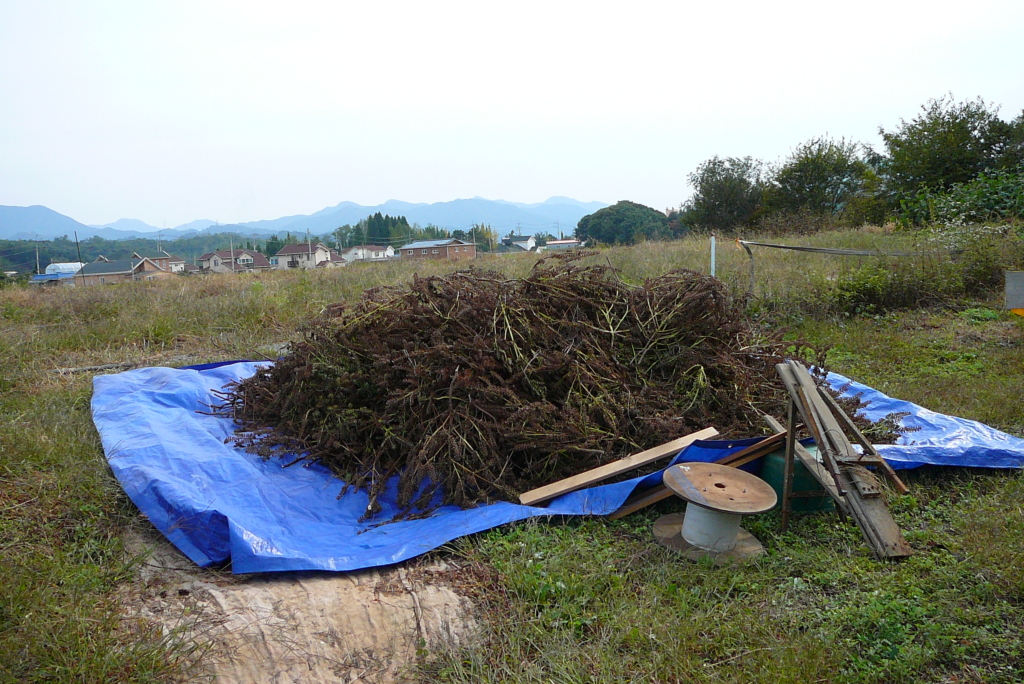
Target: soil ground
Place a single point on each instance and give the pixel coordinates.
(307, 627)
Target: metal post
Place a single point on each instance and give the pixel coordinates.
(712, 254)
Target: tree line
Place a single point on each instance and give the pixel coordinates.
(954, 161)
(381, 229)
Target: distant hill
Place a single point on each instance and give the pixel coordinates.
(557, 214)
(554, 215)
(38, 223)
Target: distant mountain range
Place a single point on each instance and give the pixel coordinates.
(557, 214)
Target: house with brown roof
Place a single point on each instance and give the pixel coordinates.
(336, 261)
(233, 261)
(301, 255)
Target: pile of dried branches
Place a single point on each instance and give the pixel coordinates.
(486, 386)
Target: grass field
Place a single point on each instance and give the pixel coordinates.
(583, 600)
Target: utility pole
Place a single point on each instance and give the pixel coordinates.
(231, 244)
(79, 247)
(37, 259)
(309, 246)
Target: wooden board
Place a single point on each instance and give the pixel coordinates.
(571, 484)
(869, 448)
(660, 492)
(646, 498)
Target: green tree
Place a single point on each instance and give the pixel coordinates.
(273, 245)
(343, 236)
(728, 192)
(623, 223)
(483, 236)
(432, 232)
(820, 176)
(947, 143)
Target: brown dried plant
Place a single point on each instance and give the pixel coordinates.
(482, 387)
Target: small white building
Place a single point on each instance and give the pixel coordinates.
(564, 243)
(368, 253)
(527, 243)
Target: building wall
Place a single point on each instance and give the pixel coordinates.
(301, 260)
(452, 252)
(113, 278)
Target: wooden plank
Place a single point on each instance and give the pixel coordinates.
(796, 394)
(648, 497)
(880, 531)
(865, 482)
(571, 484)
(864, 443)
(660, 492)
(753, 452)
(873, 516)
(787, 470)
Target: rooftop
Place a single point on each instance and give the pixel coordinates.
(422, 244)
(301, 248)
(110, 267)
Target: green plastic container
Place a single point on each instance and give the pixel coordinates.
(772, 472)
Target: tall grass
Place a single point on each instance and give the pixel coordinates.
(624, 610)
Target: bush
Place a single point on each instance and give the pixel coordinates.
(968, 263)
(896, 284)
(993, 196)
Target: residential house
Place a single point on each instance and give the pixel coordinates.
(450, 248)
(368, 253)
(174, 263)
(301, 255)
(232, 261)
(167, 262)
(336, 261)
(106, 272)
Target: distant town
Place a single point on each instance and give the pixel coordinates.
(300, 255)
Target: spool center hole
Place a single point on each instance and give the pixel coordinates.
(720, 485)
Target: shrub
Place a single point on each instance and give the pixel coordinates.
(993, 196)
(968, 262)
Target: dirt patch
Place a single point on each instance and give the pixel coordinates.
(301, 628)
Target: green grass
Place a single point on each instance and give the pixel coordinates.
(580, 600)
(594, 601)
(967, 363)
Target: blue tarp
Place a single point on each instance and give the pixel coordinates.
(217, 503)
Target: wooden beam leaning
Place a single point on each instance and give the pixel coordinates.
(660, 492)
(797, 395)
(868, 510)
(571, 484)
(867, 446)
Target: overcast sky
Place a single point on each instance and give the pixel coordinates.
(239, 111)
